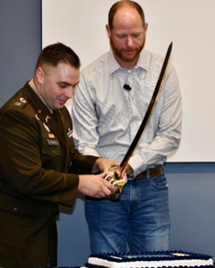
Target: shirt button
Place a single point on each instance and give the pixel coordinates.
(15, 209)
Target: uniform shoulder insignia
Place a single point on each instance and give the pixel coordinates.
(17, 103)
(21, 101)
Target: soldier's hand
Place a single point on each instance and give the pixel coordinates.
(95, 185)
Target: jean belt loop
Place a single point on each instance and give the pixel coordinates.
(148, 174)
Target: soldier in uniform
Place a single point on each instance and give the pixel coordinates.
(39, 166)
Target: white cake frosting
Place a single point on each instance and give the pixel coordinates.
(150, 260)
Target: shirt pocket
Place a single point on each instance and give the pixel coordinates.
(51, 147)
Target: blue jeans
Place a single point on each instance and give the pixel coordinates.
(141, 218)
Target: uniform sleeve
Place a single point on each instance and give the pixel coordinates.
(82, 164)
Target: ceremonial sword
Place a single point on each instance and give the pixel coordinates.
(115, 171)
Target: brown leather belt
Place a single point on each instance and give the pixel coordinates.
(152, 172)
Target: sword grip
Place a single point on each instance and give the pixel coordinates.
(114, 178)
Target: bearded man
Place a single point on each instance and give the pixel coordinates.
(108, 107)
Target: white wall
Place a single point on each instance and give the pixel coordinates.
(188, 24)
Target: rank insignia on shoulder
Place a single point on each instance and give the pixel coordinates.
(23, 100)
(69, 133)
(17, 103)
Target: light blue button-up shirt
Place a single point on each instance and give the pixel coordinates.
(106, 117)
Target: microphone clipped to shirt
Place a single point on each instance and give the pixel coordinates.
(127, 87)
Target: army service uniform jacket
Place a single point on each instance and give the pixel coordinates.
(38, 171)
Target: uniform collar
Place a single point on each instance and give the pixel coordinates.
(32, 85)
(43, 113)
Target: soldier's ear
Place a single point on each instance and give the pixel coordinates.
(39, 75)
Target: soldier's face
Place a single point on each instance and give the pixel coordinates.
(57, 84)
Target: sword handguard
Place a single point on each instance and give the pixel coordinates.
(114, 178)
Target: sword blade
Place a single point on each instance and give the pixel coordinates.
(148, 112)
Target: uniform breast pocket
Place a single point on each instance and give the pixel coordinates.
(51, 147)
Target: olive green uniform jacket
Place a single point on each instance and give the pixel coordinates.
(38, 163)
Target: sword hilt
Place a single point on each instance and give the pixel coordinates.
(114, 177)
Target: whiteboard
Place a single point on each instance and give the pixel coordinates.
(80, 24)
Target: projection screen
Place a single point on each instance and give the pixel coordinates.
(188, 24)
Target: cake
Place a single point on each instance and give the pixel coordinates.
(150, 260)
